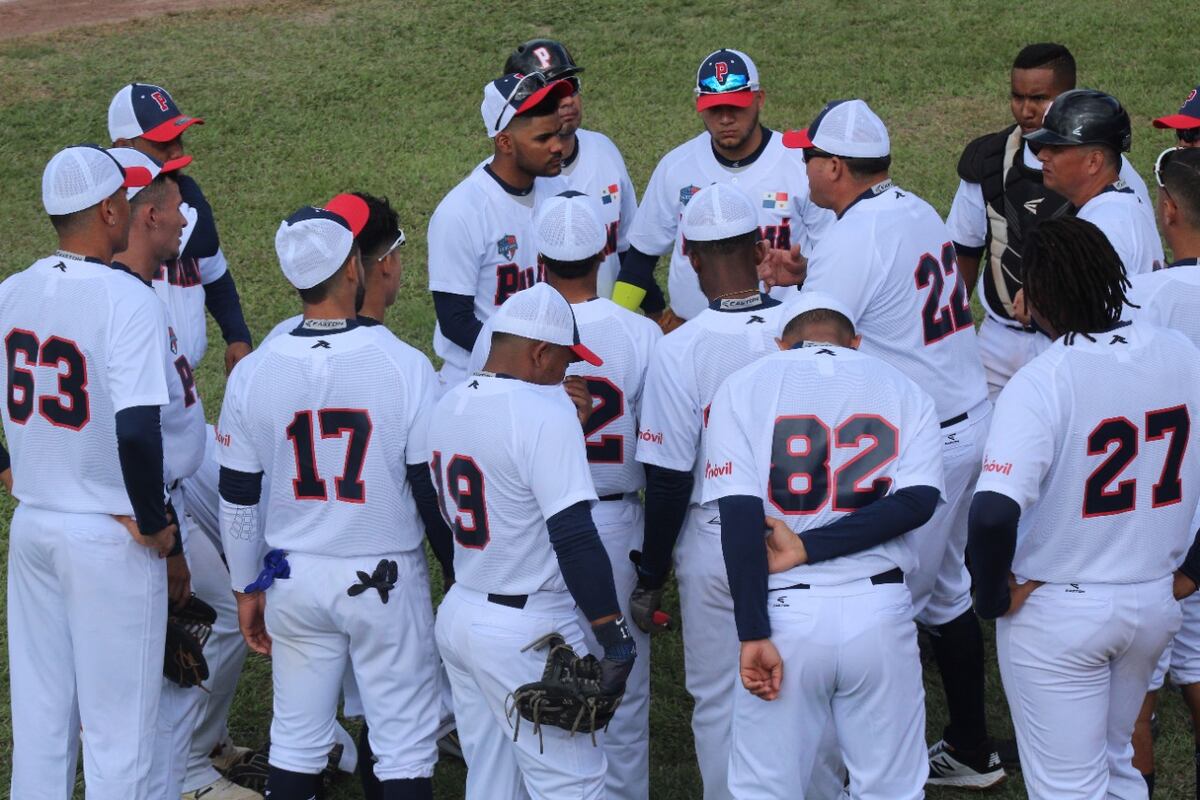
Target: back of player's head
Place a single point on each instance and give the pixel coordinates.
(569, 234)
(316, 245)
(821, 325)
(1179, 176)
(1073, 276)
(1051, 56)
(381, 229)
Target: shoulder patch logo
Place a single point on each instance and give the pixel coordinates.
(775, 201)
(686, 193)
(609, 193)
(506, 245)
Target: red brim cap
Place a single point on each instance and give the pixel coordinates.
(556, 89)
(582, 353)
(137, 177)
(740, 99)
(797, 140)
(170, 130)
(1180, 122)
(176, 164)
(351, 208)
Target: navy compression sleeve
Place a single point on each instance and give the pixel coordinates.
(222, 300)
(5, 460)
(583, 561)
(991, 545)
(668, 492)
(240, 488)
(456, 318)
(885, 519)
(1191, 563)
(436, 530)
(140, 451)
(745, 552)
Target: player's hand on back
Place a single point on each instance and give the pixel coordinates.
(581, 397)
(6, 479)
(783, 268)
(252, 621)
(179, 580)
(1020, 309)
(1018, 593)
(162, 542)
(1183, 586)
(784, 548)
(234, 353)
(761, 669)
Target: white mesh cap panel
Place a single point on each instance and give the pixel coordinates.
(539, 313)
(569, 227)
(850, 128)
(719, 211)
(77, 178)
(310, 250)
(122, 122)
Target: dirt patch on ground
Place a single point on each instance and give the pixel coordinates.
(20, 18)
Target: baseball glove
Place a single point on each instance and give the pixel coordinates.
(251, 772)
(569, 695)
(188, 629)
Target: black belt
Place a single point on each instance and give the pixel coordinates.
(946, 423)
(893, 575)
(610, 497)
(510, 600)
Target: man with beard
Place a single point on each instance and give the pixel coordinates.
(481, 248)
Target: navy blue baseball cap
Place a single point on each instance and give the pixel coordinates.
(1188, 116)
(726, 78)
(514, 93)
(146, 110)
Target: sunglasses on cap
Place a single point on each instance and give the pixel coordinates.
(400, 240)
(526, 86)
(810, 153)
(1188, 135)
(1160, 164)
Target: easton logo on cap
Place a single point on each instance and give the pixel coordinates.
(506, 245)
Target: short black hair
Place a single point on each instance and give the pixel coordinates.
(572, 269)
(724, 247)
(866, 167)
(1048, 55)
(152, 193)
(68, 223)
(1073, 276)
(382, 228)
(1181, 179)
(318, 293)
(818, 316)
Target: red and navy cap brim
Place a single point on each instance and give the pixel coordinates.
(1179, 122)
(797, 140)
(582, 352)
(176, 164)
(739, 99)
(557, 89)
(136, 177)
(352, 209)
(170, 130)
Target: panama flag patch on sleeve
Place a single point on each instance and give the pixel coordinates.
(609, 193)
(777, 201)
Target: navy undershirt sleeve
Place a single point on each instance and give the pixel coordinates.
(5, 460)
(970, 252)
(222, 300)
(456, 318)
(991, 545)
(140, 451)
(583, 561)
(745, 552)
(637, 268)
(436, 530)
(871, 525)
(668, 492)
(1191, 563)
(240, 488)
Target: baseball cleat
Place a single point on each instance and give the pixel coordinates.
(226, 754)
(222, 789)
(948, 767)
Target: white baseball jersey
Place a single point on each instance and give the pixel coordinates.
(82, 342)
(1128, 223)
(506, 455)
(481, 245)
(1091, 440)
(1169, 298)
(688, 366)
(598, 170)
(776, 180)
(817, 433)
(333, 418)
(890, 262)
(624, 340)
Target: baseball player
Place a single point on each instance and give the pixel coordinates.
(1082, 517)
(345, 463)
(571, 242)
(846, 451)
(1079, 144)
(907, 299)
(734, 148)
(721, 224)
(1186, 123)
(84, 359)
(1000, 197)
(591, 163)
(513, 477)
(144, 116)
(481, 248)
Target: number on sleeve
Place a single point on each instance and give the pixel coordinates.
(335, 423)
(800, 477)
(464, 486)
(69, 407)
(608, 406)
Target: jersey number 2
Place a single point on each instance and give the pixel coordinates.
(608, 407)
(463, 482)
(939, 321)
(69, 407)
(800, 481)
(1101, 500)
(335, 423)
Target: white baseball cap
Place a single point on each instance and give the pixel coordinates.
(719, 211)
(542, 314)
(81, 176)
(313, 243)
(129, 159)
(146, 110)
(846, 128)
(513, 94)
(569, 228)
(809, 300)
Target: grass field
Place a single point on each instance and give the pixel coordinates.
(307, 99)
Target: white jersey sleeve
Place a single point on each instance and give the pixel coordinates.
(213, 267)
(629, 205)
(730, 469)
(136, 373)
(967, 220)
(1129, 228)
(1169, 298)
(848, 268)
(236, 448)
(1026, 429)
(669, 430)
(455, 252)
(555, 465)
(657, 219)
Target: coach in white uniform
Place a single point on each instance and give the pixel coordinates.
(1083, 513)
(87, 602)
(335, 414)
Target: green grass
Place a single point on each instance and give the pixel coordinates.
(307, 99)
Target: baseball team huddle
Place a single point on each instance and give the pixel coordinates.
(806, 430)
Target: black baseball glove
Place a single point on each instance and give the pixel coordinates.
(188, 629)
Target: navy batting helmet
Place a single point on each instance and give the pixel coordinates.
(546, 56)
(1084, 116)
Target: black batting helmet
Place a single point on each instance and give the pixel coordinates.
(1084, 116)
(546, 56)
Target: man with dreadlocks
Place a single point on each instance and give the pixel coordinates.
(1083, 515)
